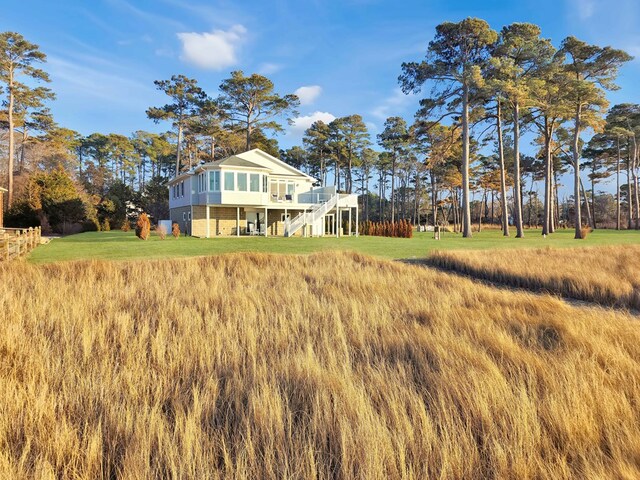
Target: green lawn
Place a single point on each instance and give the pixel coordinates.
(116, 245)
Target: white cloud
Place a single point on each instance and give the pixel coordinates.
(585, 9)
(146, 16)
(308, 94)
(213, 51)
(268, 68)
(300, 124)
(87, 82)
(393, 105)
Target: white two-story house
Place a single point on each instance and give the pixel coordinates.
(254, 193)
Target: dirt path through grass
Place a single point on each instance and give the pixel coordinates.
(603, 276)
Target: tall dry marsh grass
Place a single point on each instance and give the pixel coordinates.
(326, 366)
(606, 275)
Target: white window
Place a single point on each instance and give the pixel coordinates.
(189, 216)
(254, 182)
(242, 182)
(184, 216)
(182, 188)
(229, 181)
(214, 181)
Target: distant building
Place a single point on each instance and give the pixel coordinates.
(254, 193)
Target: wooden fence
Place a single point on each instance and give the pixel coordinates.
(15, 242)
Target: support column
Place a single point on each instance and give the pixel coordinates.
(357, 227)
(350, 222)
(237, 221)
(285, 223)
(336, 222)
(266, 222)
(208, 227)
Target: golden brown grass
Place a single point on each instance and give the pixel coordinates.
(606, 275)
(326, 366)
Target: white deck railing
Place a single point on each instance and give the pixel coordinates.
(305, 218)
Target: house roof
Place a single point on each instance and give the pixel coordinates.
(258, 155)
(237, 161)
(255, 158)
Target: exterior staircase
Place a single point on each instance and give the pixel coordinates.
(311, 217)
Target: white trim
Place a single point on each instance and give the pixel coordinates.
(278, 162)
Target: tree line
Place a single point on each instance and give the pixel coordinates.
(59, 178)
(484, 90)
(457, 162)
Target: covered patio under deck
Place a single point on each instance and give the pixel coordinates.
(272, 221)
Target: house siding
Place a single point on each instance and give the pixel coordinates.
(1, 208)
(222, 221)
(176, 215)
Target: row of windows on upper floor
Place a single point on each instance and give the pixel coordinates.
(232, 182)
(238, 182)
(177, 190)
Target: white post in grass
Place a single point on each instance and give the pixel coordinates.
(266, 222)
(208, 226)
(286, 222)
(357, 228)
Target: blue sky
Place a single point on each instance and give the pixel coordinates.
(105, 54)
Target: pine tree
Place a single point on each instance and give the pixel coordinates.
(455, 61)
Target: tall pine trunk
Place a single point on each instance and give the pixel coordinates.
(393, 188)
(466, 206)
(634, 172)
(576, 169)
(548, 187)
(348, 181)
(594, 166)
(618, 187)
(517, 181)
(503, 175)
(586, 202)
(11, 141)
(249, 125)
(553, 207)
(482, 205)
(629, 190)
(493, 197)
(434, 197)
(179, 152)
(23, 144)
